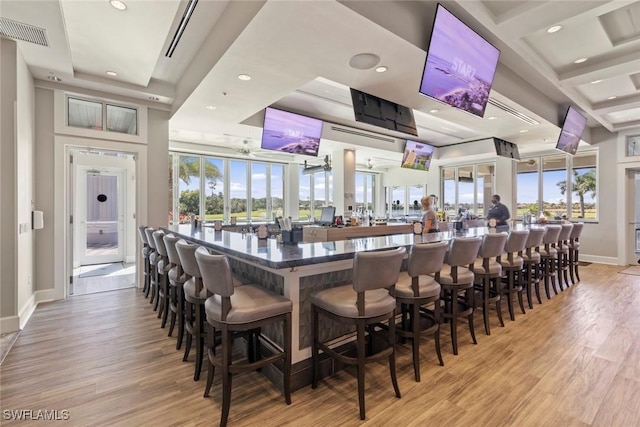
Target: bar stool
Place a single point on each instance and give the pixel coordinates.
(531, 258)
(153, 270)
(364, 303)
(562, 262)
(512, 265)
(238, 310)
(145, 257)
(456, 278)
(487, 271)
(574, 250)
(162, 271)
(414, 290)
(176, 277)
(195, 295)
(548, 254)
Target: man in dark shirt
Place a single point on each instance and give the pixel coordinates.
(498, 211)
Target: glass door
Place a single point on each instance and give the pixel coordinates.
(100, 216)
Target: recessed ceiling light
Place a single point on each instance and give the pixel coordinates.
(596, 81)
(580, 60)
(554, 29)
(435, 110)
(381, 69)
(210, 107)
(117, 4)
(244, 77)
(612, 97)
(524, 131)
(112, 73)
(492, 118)
(54, 78)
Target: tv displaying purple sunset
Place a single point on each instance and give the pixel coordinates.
(460, 65)
(291, 133)
(572, 130)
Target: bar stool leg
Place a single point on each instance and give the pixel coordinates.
(287, 325)
(360, 371)
(227, 344)
(314, 347)
(392, 356)
(471, 303)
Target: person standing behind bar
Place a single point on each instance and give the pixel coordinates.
(429, 220)
(498, 211)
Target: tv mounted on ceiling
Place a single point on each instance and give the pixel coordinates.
(417, 155)
(379, 112)
(506, 149)
(291, 133)
(572, 130)
(460, 65)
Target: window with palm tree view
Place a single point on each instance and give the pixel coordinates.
(566, 185)
(220, 189)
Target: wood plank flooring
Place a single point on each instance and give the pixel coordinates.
(572, 361)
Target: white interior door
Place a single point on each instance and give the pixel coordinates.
(100, 215)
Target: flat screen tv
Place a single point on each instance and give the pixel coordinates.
(291, 133)
(572, 130)
(417, 155)
(326, 217)
(460, 65)
(506, 149)
(379, 112)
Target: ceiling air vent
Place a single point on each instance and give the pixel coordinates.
(515, 113)
(366, 135)
(26, 33)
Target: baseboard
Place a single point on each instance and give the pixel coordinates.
(9, 324)
(28, 309)
(599, 259)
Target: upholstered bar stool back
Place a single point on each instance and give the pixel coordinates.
(456, 280)
(563, 254)
(145, 259)
(176, 277)
(365, 303)
(163, 268)
(531, 258)
(416, 289)
(512, 265)
(487, 271)
(574, 250)
(548, 254)
(153, 263)
(237, 310)
(195, 295)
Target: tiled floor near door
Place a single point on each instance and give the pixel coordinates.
(90, 279)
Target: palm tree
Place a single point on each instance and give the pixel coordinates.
(581, 185)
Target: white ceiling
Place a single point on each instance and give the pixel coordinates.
(298, 52)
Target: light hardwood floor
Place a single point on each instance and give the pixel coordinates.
(572, 361)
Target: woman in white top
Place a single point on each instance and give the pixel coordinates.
(429, 219)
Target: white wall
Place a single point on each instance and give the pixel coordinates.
(25, 110)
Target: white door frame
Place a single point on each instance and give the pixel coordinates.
(626, 216)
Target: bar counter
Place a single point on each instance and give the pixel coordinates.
(296, 271)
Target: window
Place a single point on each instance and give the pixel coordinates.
(467, 188)
(218, 189)
(558, 186)
(527, 177)
(583, 187)
(122, 119)
(213, 189)
(238, 190)
(365, 190)
(82, 113)
(554, 182)
(398, 200)
(188, 187)
(416, 193)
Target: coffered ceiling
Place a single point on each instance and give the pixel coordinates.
(298, 54)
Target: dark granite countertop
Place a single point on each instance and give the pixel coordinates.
(270, 253)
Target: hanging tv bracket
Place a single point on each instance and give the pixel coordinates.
(308, 170)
